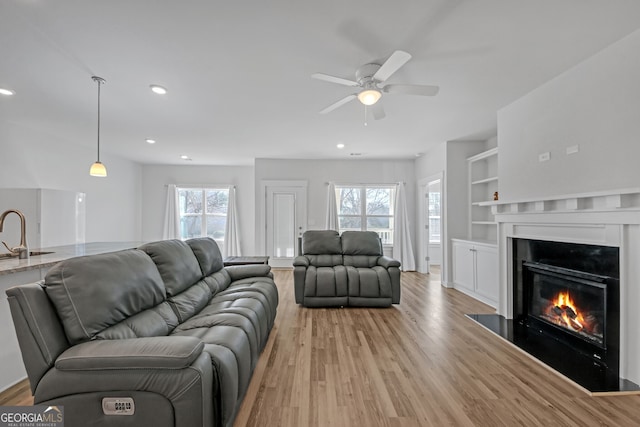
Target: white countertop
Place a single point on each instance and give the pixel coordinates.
(60, 253)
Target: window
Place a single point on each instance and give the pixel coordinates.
(203, 212)
(362, 208)
(434, 216)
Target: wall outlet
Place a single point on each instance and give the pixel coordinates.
(573, 149)
(543, 157)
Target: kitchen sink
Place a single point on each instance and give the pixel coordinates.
(36, 253)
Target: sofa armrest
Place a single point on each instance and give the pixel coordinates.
(137, 353)
(239, 272)
(176, 368)
(301, 261)
(386, 262)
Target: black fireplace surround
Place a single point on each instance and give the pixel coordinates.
(566, 311)
(570, 293)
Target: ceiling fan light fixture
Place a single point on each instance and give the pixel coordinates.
(369, 96)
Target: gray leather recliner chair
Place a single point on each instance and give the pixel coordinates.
(347, 270)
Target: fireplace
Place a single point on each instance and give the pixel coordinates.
(568, 301)
(567, 294)
(566, 311)
(605, 226)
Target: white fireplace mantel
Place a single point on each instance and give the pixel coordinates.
(607, 218)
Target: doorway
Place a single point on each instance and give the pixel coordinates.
(285, 216)
(431, 223)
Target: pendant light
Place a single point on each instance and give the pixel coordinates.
(98, 169)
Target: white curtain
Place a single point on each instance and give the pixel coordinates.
(332, 208)
(171, 228)
(231, 245)
(402, 248)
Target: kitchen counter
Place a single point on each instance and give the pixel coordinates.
(60, 253)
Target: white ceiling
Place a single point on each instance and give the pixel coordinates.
(238, 72)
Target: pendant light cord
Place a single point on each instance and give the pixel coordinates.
(99, 84)
(100, 81)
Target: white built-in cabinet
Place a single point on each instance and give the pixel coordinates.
(475, 269)
(483, 185)
(475, 259)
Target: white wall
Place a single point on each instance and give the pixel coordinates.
(33, 159)
(595, 105)
(319, 172)
(432, 162)
(155, 179)
(450, 158)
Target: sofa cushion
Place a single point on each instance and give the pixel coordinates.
(361, 243)
(124, 283)
(208, 254)
(324, 242)
(324, 260)
(176, 262)
(191, 301)
(361, 261)
(326, 282)
(218, 281)
(153, 322)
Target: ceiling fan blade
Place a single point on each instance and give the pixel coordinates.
(338, 104)
(421, 90)
(334, 79)
(391, 65)
(378, 111)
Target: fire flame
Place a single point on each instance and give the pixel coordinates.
(569, 314)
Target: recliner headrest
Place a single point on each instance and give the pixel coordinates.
(361, 243)
(208, 254)
(176, 263)
(321, 242)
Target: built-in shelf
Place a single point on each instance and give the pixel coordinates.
(485, 181)
(627, 199)
(482, 188)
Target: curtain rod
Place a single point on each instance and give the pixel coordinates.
(365, 184)
(202, 185)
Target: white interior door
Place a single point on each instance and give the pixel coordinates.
(431, 222)
(424, 230)
(434, 229)
(285, 217)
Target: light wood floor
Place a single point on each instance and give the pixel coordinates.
(421, 363)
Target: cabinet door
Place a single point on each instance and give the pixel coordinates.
(463, 259)
(487, 272)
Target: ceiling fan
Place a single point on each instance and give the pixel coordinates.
(370, 80)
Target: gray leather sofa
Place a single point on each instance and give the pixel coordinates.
(165, 325)
(347, 270)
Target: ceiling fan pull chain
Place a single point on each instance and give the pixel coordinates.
(365, 115)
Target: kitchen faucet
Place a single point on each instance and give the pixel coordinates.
(22, 250)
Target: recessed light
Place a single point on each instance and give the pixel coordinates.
(150, 141)
(7, 92)
(185, 157)
(158, 89)
(340, 146)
